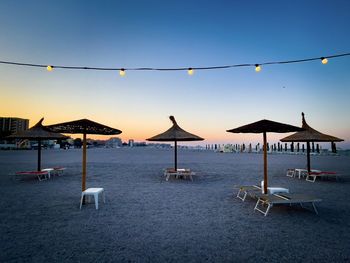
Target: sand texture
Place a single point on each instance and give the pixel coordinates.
(146, 219)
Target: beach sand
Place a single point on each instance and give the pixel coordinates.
(146, 219)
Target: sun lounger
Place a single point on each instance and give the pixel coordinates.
(302, 172)
(311, 177)
(255, 191)
(265, 202)
(179, 173)
(41, 175)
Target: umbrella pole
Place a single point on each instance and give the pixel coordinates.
(83, 181)
(265, 163)
(175, 149)
(39, 155)
(308, 156)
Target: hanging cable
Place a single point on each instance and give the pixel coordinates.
(190, 70)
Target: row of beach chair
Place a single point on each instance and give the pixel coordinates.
(275, 195)
(264, 203)
(42, 175)
(312, 175)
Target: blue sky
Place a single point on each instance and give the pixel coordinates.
(177, 34)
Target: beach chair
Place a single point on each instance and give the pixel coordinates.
(311, 177)
(41, 175)
(266, 202)
(179, 173)
(255, 191)
(303, 172)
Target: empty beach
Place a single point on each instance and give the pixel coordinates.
(146, 219)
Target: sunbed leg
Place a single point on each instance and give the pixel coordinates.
(42, 177)
(290, 172)
(313, 205)
(244, 196)
(315, 208)
(268, 209)
(262, 204)
(256, 205)
(313, 178)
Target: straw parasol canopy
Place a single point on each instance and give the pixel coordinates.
(309, 135)
(38, 132)
(83, 126)
(175, 134)
(263, 127)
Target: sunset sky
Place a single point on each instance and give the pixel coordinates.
(169, 34)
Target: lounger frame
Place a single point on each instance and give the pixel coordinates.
(41, 175)
(311, 177)
(269, 201)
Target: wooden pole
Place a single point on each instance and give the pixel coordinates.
(265, 163)
(83, 181)
(308, 156)
(175, 146)
(39, 155)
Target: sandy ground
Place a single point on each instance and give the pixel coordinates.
(146, 219)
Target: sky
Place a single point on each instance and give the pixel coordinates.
(170, 34)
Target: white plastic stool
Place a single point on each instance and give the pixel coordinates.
(94, 192)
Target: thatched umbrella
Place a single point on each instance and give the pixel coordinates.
(263, 127)
(175, 134)
(38, 132)
(83, 126)
(309, 135)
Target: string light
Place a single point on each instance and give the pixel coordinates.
(257, 68)
(122, 72)
(324, 60)
(189, 70)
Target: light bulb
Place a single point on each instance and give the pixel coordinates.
(49, 68)
(122, 72)
(190, 71)
(324, 60)
(257, 67)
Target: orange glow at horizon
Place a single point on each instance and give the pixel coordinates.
(132, 125)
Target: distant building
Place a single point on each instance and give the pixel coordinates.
(114, 142)
(131, 143)
(13, 125)
(8, 126)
